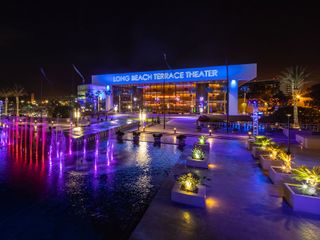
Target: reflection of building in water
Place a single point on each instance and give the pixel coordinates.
(175, 91)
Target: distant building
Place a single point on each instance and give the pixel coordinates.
(267, 92)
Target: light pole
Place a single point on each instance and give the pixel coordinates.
(164, 89)
(134, 103)
(227, 93)
(288, 150)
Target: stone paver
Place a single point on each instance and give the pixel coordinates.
(242, 203)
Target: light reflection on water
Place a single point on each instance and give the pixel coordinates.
(106, 184)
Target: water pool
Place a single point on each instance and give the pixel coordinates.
(97, 193)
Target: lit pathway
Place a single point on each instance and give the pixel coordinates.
(242, 204)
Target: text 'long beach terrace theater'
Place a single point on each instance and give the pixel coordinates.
(190, 90)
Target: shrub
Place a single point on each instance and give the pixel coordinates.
(197, 153)
(309, 178)
(286, 160)
(189, 182)
(202, 140)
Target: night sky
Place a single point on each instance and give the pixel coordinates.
(121, 37)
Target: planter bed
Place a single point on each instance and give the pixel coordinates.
(277, 176)
(257, 151)
(197, 163)
(300, 202)
(249, 143)
(205, 147)
(189, 198)
(266, 162)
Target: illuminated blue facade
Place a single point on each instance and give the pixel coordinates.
(234, 73)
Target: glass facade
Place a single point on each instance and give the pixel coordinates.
(208, 97)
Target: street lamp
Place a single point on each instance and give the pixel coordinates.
(288, 150)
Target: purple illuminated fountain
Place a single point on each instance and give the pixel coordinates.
(57, 144)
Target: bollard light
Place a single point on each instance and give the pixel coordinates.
(210, 132)
(174, 130)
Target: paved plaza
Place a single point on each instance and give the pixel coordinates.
(242, 203)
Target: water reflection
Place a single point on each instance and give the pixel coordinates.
(143, 157)
(98, 179)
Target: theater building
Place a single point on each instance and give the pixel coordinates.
(190, 90)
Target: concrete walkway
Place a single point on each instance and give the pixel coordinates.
(241, 203)
(187, 125)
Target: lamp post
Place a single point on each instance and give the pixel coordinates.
(227, 93)
(288, 150)
(134, 103)
(164, 85)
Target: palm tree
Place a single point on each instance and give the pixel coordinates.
(294, 79)
(18, 92)
(5, 93)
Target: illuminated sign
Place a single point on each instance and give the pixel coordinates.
(243, 71)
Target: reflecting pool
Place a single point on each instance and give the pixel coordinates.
(98, 190)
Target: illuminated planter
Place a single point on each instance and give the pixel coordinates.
(249, 143)
(300, 202)
(189, 198)
(266, 162)
(277, 176)
(205, 147)
(203, 163)
(257, 151)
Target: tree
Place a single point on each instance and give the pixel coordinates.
(315, 95)
(5, 93)
(18, 92)
(294, 79)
